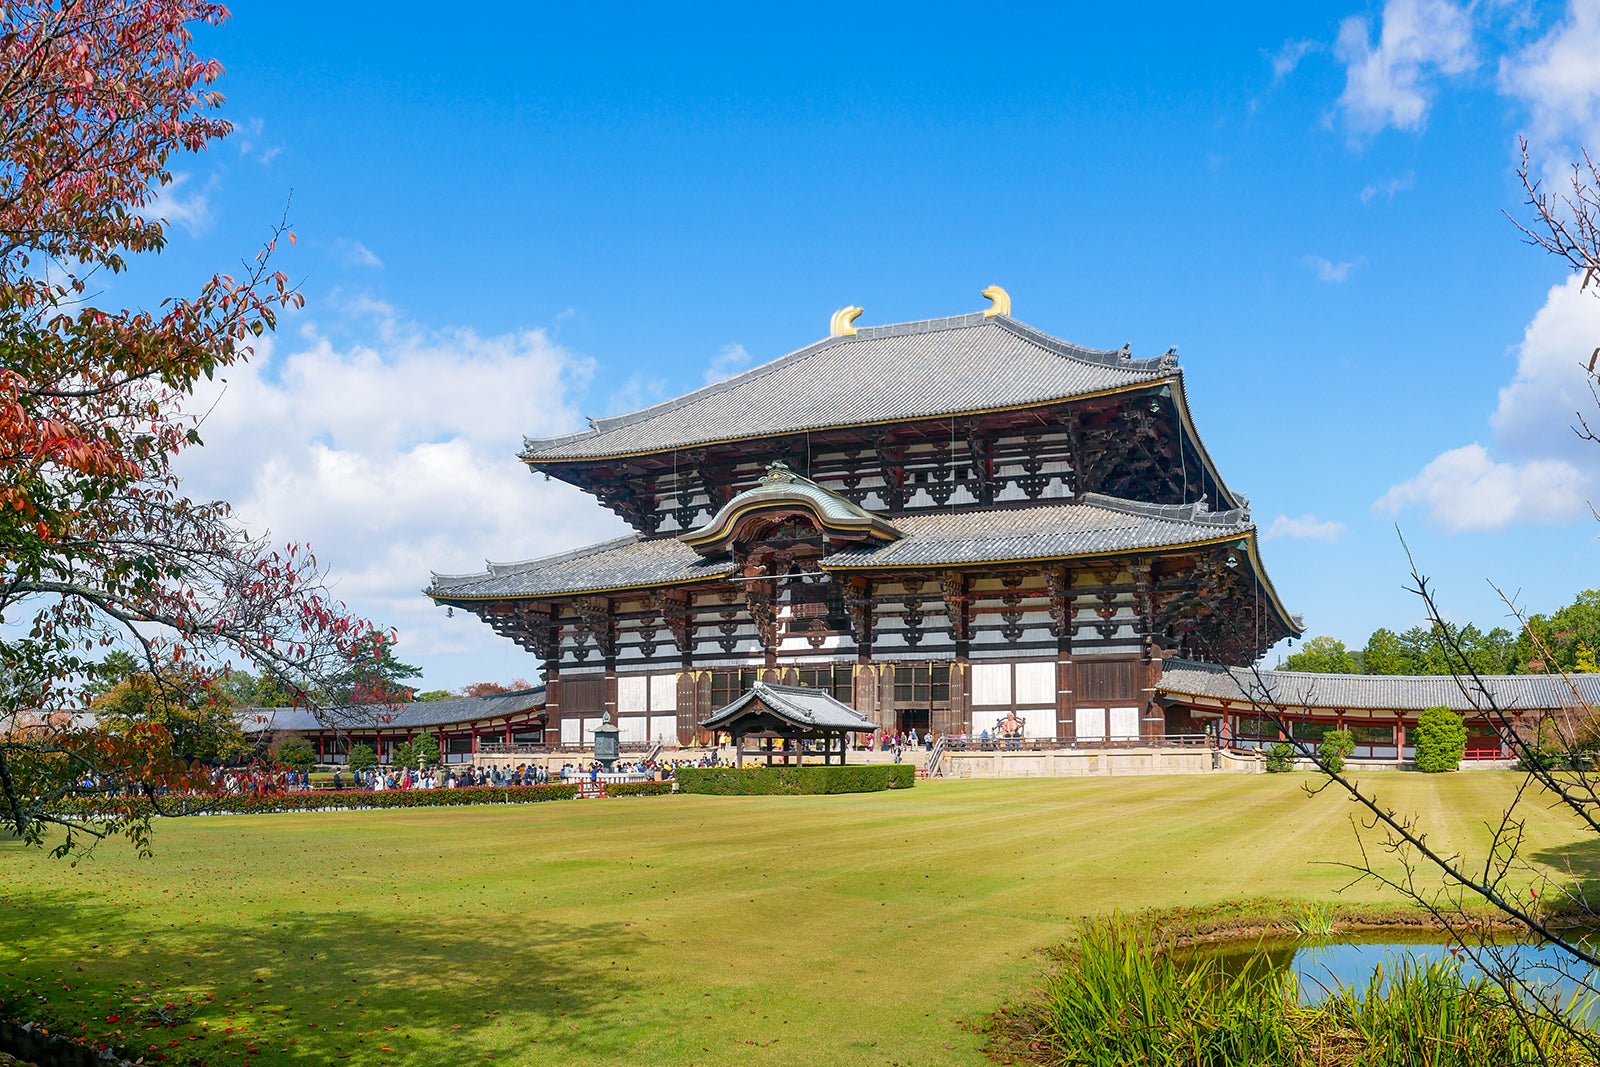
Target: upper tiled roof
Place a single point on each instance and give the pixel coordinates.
(401, 716)
(1372, 692)
(1100, 525)
(882, 374)
(625, 563)
(800, 705)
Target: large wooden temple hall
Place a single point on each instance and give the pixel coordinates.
(942, 524)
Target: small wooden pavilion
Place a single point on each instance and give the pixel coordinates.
(784, 718)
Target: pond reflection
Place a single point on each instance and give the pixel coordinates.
(1320, 966)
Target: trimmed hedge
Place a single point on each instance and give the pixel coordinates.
(638, 789)
(360, 799)
(794, 781)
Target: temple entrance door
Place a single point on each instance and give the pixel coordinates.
(918, 719)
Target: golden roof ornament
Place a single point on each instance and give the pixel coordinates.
(778, 473)
(999, 302)
(840, 325)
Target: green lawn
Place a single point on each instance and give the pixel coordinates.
(857, 929)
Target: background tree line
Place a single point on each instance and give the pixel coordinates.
(1566, 640)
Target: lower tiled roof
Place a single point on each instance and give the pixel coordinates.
(1098, 526)
(626, 563)
(1373, 692)
(401, 716)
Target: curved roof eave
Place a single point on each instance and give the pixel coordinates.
(535, 450)
(534, 462)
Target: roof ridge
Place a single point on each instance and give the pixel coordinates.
(494, 570)
(1197, 512)
(1105, 357)
(253, 709)
(1181, 663)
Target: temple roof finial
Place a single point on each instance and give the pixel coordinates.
(840, 325)
(1000, 302)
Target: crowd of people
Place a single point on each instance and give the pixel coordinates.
(238, 780)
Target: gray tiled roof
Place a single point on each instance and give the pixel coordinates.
(800, 705)
(1372, 692)
(401, 716)
(625, 563)
(1099, 526)
(882, 374)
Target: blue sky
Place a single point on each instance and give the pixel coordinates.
(509, 221)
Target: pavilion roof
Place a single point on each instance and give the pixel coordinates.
(1098, 526)
(401, 716)
(949, 366)
(1372, 692)
(801, 707)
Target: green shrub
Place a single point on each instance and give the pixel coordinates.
(1337, 746)
(362, 758)
(1280, 757)
(1440, 740)
(420, 752)
(793, 781)
(1120, 998)
(295, 753)
(1538, 759)
(638, 789)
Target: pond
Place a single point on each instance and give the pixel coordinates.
(1321, 965)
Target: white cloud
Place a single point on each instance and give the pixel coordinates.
(1557, 77)
(1287, 58)
(1329, 271)
(353, 253)
(1388, 188)
(1537, 410)
(1544, 475)
(192, 212)
(1391, 83)
(396, 457)
(1463, 489)
(729, 361)
(1304, 528)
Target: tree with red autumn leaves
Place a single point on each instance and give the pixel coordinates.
(99, 548)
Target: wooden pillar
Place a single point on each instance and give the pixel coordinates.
(552, 702)
(1059, 583)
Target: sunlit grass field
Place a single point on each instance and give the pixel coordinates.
(860, 929)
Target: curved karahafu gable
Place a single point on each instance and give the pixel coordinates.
(781, 494)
